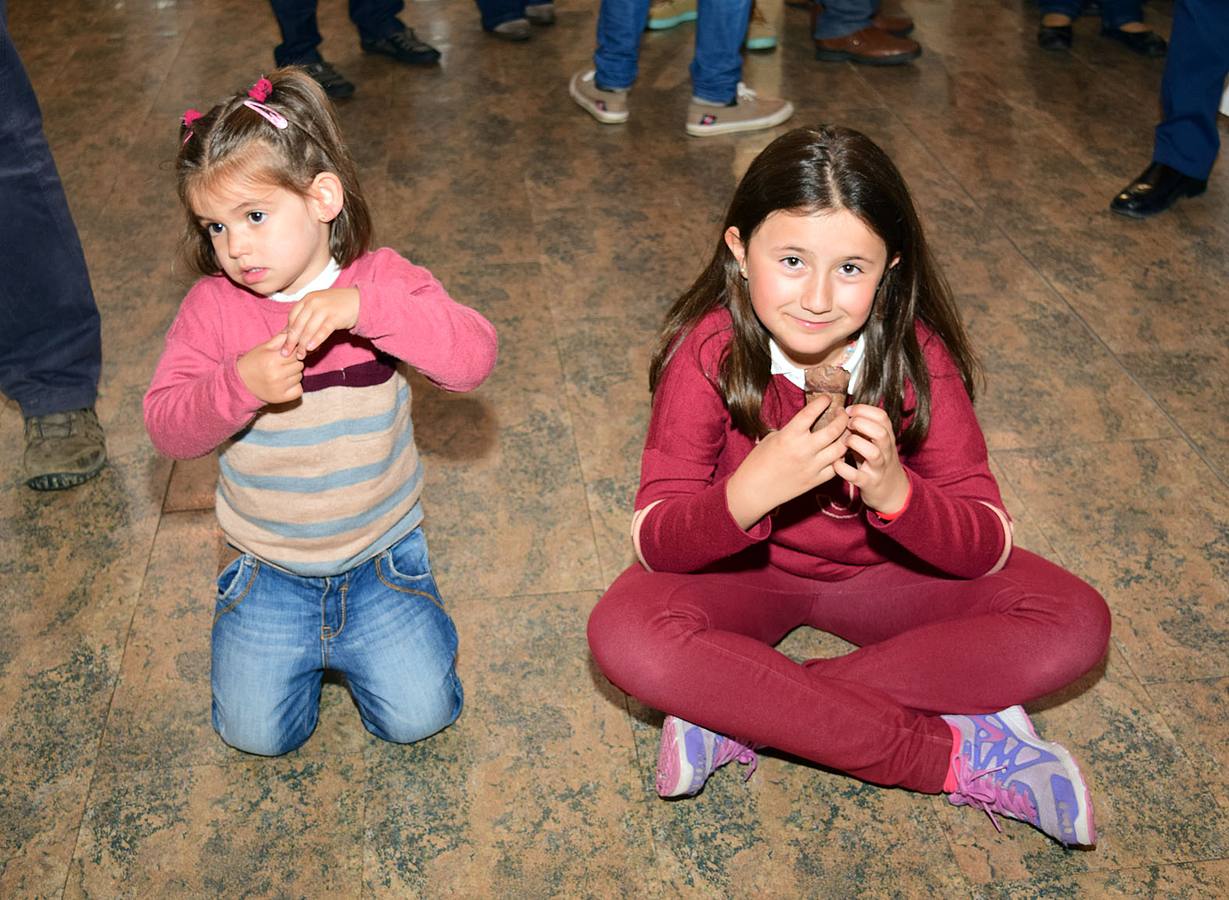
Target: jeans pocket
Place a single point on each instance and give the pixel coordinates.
(234, 584)
(406, 569)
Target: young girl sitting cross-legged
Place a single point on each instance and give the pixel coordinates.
(765, 503)
(289, 356)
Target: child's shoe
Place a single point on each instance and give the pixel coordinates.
(761, 36)
(689, 754)
(747, 112)
(668, 13)
(608, 107)
(1003, 767)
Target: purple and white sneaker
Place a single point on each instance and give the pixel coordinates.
(1003, 767)
(689, 754)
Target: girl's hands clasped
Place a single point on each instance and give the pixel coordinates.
(786, 463)
(272, 377)
(318, 315)
(878, 475)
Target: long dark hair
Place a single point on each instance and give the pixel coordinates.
(820, 170)
(232, 139)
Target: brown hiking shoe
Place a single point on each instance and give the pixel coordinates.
(63, 449)
(870, 47)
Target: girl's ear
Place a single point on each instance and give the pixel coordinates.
(895, 261)
(326, 196)
(735, 242)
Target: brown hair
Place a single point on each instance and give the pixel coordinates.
(820, 170)
(231, 139)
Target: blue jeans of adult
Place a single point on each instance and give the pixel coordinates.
(375, 19)
(840, 18)
(381, 625)
(50, 346)
(716, 66)
(496, 12)
(1191, 89)
(1114, 13)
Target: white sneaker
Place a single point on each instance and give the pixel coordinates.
(748, 112)
(608, 107)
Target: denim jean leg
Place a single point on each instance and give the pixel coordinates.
(497, 12)
(398, 647)
(840, 18)
(620, 24)
(1187, 138)
(376, 19)
(50, 344)
(266, 653)
(300, 35)
(717, 66)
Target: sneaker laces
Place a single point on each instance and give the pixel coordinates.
(407, 40)
(757, 16)
(974, 789)
(58, 424)
(733, 750)
(745, 93)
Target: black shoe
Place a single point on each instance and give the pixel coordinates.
(1145, 43)
(405, 47)
(1054, 37)
(1157, 189)
(334, 83)
(63, 449)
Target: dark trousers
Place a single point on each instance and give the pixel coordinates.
(1194, 80)
(50, 347)
(702, 647)
(375, 20)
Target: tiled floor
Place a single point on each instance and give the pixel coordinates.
(1106, 346)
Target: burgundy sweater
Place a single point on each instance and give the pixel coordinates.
(954, 522)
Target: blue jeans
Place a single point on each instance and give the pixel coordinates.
(1114, 13)
(375, 19)
(50, 346)
(381, 624)
(1187, 138)
(716, 66)
(843, 17)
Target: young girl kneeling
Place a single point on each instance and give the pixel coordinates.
(290, 356)
(765, 505)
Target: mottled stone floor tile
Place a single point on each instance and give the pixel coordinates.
(286, 827)
(1198, 712)
(1187, 881)
(192, 484)
(1144, 523)
(531, 792)
(38, 831)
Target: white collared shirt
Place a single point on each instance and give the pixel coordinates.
(324, 280)
(781, 364)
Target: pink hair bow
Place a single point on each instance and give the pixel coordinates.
(189, 117)
(261, 90)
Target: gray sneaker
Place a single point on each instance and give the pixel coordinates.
(63, 449)
(540, 13)
(748, 112)
(515, 30)
(608, 107)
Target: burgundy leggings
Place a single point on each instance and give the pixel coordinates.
(701, 647)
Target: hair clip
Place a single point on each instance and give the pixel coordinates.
(271, 115)
(190, 116)
(261, 90)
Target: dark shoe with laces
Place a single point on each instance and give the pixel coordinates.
(1155, 190)
(63, 449)
(1145, 43)
(333, 82)
(1054, 37)
(405, 47)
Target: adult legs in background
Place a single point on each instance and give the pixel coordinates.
(50, 343)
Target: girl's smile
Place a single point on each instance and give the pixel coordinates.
(812, 279)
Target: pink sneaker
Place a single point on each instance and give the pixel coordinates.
(689, 754)
(1003, 767)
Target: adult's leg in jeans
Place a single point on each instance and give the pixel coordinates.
(1195, 70)
(843, 17)
(376, 19)
(300, 34)
(717, 65)
(701, 647)
(620, 24)
(50, 347)
(496, 12)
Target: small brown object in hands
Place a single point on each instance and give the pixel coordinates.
(830, 380)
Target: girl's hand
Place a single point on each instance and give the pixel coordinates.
(786, 463)
(318, 315)
(268, 374)
(879, 475)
